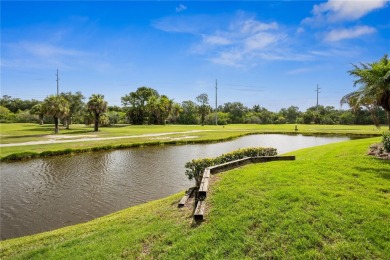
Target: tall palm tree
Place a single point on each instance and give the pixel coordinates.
(57, 107)
(75, 105)
(38, 110)
(374, 81)
(204, 107)
(358, 99)
(97, 105)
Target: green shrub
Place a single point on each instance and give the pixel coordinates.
(20, 156)
(386, 141)
(196, 167)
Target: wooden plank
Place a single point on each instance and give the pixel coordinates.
(204, 186)
(199, 211)
(206, 173)
(230, 165)
(183, 201)
(260, 159)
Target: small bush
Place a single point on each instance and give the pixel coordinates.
(386, 141)
(196, 167)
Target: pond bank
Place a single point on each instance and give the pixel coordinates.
(332, 202)
(47, 193)
(27, 152)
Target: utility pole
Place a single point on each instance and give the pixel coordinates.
(216, 102)
(57, 83)
(318, 91)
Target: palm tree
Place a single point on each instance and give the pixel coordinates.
(38, 110)
(97, 105)
(204, 107)
(374, 81)
(57, 107)
(358, 99)
(75, 105)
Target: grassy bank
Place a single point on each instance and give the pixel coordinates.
(132, 136)
(332, 202)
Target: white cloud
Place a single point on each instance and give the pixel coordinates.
(262, 40)
(253, 26)
(239, 41)
(340, 10)
(193, 24)
(232, 58)
(343, 34)
(181, 8)
(35, 55)
(298, 71)
(216, 40)
(47, 50)
(243, 40)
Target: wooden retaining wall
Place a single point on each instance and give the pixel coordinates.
(203, 189)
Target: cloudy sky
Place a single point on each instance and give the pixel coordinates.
(271, 53)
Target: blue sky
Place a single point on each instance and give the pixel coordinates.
(271, 53)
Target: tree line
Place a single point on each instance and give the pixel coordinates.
(146, 106)
(370, 103)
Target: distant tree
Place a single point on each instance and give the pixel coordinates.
(6, 115)
(189, 114)
(176, 110)
(311, 117)
(166, 108)
(75, 105)
(38, 110)
(222, 117)
(236, 111)
(56, 107)
(115, 108)
(135, 103)
(374, 81)
(97, 105)
(16, 104)
(290, 114)
(204, 107)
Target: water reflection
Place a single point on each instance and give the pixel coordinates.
(45, 194)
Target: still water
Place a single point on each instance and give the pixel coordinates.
(44, 194)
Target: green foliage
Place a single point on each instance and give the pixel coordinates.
(386, 141)
(373, 80)
(204, 107)
(189, 113)
(15, 104)
(56, 107)
(6, 116)
(20, 156)
(98, 106)
(331, 203)
(196, 167)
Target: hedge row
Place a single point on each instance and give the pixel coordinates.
(196, 167)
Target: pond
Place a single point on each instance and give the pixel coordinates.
(44, 194)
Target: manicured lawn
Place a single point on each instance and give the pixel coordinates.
(20, 133)
(332, 202)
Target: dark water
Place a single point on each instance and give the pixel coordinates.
(44, 194)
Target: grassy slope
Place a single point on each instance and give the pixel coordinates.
(18, 133)
(332, 202)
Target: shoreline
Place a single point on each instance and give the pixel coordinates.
(166, 230)
(177, 141)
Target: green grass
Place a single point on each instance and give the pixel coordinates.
(20, 133)
(332, 202)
